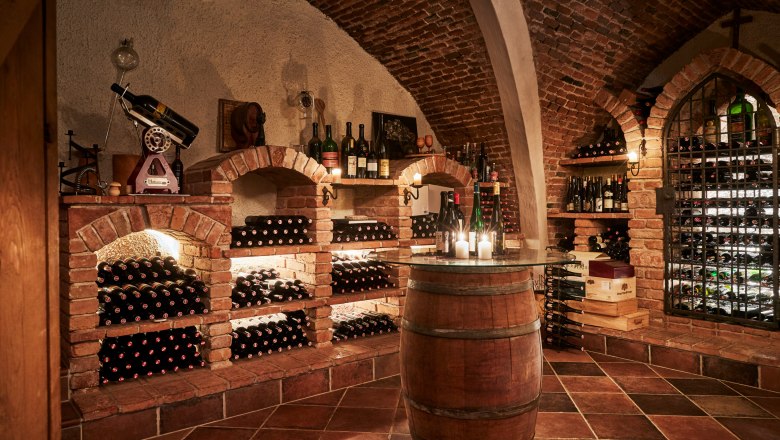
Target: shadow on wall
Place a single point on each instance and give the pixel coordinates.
(295, 78)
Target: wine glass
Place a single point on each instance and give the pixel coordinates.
(420, 142)
(429, 142)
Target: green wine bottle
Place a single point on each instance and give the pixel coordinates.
(330, 151)
(740, 117)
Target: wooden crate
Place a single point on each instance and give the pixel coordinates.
(608, 308)
(628, 322)
(607, 289)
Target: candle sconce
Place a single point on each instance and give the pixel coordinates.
(327, 194)
(633, 159)
(408, 195)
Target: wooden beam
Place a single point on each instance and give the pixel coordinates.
(12, 21)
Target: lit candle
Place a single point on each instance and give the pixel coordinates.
(336, 173)
(632, 157)
(417, 179)
(461, 248)
(485, 249)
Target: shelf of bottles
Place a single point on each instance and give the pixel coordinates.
(424, 225)
(721, 159)
(507, 210)
(357, 273)
(129, 357)
(561, 287)
(597, 195)
(265, 335)
(360, 158)
(271, 230)
(613, 242)
(351, 322)
(147, 289)
(264, 285)
(350, 231)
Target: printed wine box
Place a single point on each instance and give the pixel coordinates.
(610, 289)
(628, 322)
(583, 262)
(607, 308)
(610, 269)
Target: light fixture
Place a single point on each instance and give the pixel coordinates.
(417, 184)
(633, 163)
(328, 194)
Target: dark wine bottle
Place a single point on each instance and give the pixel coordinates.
(384, 157)
(482, 164)
(330, 151)
(361, 148)
(315, 144)
(497, 222)
(177, 166)
(348, 158)
(372, 163)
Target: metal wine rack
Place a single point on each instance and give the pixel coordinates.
(721, 233)
(559, 330)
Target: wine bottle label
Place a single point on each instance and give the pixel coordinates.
(384, 168)
(372, 166)
(330, 159)
(472, 241)
(439, 238)
(446, 241)
(599, 204)
(361, 162)
(351, 165)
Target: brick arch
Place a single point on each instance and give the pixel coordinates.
(283, 165)
(182, 222)
(435, 170)
(623, 115)
(728, 61)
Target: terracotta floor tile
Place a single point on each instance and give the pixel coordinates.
(751, 391)
(300, 417)
(562, 425)
(587, 384)
(634, 369)
(400, 422)
(771, 404)
(362, 420)
(690, 428)
(551, 384)
(645, 385)
(702, 387)
(400, 437)
(333, 435)
(547, 369)
(253, 419)
(553, 355)
(752, 429)
(729, 406)
(601, 358)
(326, 399)
(669, 373)
(604, 403)
(177, 435)
(620, 426)
(672, 405)
(388, 382)
(286, 434)
(370, 398)
(556, 402)
(69, 414)
(577, 369)
(204, 433)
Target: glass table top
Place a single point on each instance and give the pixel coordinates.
(514, 258)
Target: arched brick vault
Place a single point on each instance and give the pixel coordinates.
(287, 167)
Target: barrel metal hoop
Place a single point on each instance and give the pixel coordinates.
(475, 333)
(470, 269)
(477, 413)
(443, 289)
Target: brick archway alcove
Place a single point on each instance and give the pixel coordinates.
(436, 170)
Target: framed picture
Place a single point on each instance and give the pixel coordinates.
(400, 133)
(224, 139)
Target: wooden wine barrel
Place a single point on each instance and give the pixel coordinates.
(471, 355)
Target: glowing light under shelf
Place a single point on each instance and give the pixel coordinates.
(168, 245)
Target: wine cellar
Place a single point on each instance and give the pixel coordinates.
(721, 161)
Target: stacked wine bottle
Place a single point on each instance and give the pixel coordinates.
(486, 198)
(345, 231)
(138, 289)
(145, 354)
(264, 286)
(562, 287)
(353, 325)
(424, 226)
(265, 335)
(271, 230)
(351, 275)
(612, 143)
(613, 242)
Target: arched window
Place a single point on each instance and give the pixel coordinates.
(721, 234)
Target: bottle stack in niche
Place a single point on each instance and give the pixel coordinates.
(139, 289)
(612, 143)
(353, 274)
(424, 225)
(562, 286)
(146, 354)
(357, 158)
(351, 230)
(353, 325)
(264, 286)
(597, 194)
(613, 242)
(264, 335)
(271, 230)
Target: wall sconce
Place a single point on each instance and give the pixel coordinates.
(417, 184)
(633, 163)
(328, 194)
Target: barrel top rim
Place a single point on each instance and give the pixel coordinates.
(518, 258)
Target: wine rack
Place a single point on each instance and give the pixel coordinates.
(613, 242)
(345, 231)
(424, 226)
(272, 230)
(358, 325)
(562, 286)
(265, 335)
(146, 354)
(722, 230)
(351, 275)
(265, 286)
(140, 289)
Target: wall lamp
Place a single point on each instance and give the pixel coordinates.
(327, 194)
(408, 195)
(633, 159)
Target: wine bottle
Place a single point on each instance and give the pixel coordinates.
(384, 157)
(372, 163)
(598, 192)
(497, 222)
(361, 154)
(177, 167)
(453, 225)
(441, 225)
(608, 201)
(330, 151)
(348, 150)
(154, 113)
(482, 164)
(459, 214)
(476, 226)
(740, 118)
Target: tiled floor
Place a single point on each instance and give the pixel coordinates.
(584, 396)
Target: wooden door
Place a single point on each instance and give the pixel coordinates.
(29, 317)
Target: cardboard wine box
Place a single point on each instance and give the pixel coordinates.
(610, 269)
(608, 308)
(609, 289)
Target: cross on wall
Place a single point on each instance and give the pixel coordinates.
(736, 20)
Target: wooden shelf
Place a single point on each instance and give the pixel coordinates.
(263, 251)
(344, 298)
(592, 215)
(358, 245)
(367, 182)
(270, 309)
(131, 328)
(602, 161)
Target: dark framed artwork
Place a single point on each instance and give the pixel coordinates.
(400, 133)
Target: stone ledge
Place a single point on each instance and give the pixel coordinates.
(141, 394)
